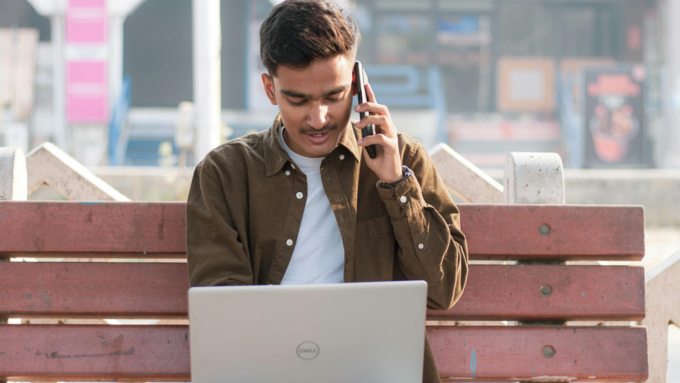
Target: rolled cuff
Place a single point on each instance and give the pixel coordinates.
(405, 200)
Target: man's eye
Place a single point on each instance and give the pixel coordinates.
(296, 103)
(335, 99)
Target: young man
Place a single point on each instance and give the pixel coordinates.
(302, 202)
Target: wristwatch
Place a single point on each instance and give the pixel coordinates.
(405, 171)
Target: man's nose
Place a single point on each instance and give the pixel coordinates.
(318, 116)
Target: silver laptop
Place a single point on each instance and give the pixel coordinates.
(331, 333)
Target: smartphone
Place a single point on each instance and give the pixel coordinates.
(361, 80)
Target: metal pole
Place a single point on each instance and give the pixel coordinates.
(671, 143)
(116, 23)
(207, 43)
(61, 135)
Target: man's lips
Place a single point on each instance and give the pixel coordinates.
(318, 139)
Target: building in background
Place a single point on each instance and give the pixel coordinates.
(511, 70)
(485, 76)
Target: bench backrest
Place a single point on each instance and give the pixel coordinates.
(547, 293)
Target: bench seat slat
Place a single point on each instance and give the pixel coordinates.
(93, 290)
(91, 353)
(158, 290)
(602, 354)
(157, 229)
(577, 232)
(92, 229)
(161, 353)
(505, 292)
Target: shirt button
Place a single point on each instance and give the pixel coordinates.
(342, 157)
(292, 166)
(289, 242)
(299, 195)
(287, 172)
(421, 246)
(403, 199)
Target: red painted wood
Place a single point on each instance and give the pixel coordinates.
(578, 293)
(135, 229)
(161, 353)
(577, 232)
(157, 290)
(88, 353)
(602, 354)
(93, 290)
(105, 230)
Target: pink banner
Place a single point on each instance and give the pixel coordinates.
(87, 92)
(87, 99)
(86, 22)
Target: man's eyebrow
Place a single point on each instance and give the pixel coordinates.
(293, 93)
(336, 90)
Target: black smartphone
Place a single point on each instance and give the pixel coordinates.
(361, 80)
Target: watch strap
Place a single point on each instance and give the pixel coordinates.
(405, 171)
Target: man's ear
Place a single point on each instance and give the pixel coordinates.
(268, 83)
(354, 83)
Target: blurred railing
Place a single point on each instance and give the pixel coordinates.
(571, 121)
(119, 131)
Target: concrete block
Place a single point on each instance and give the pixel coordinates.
(47, 164)
(463, 179)
(533, 178)
(662, 285)
(13, 184)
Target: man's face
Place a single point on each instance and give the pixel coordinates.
(315, 104)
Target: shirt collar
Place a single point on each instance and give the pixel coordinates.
(275, 155)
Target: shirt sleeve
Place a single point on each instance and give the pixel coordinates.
(215, 254)
(426, 225)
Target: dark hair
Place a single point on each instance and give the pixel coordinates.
(297, 32)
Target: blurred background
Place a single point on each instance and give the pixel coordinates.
(596, 81)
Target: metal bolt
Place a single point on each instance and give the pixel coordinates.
(548, 351)
(546, 290)
(544, 229)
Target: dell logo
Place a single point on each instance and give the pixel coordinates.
(308, 350)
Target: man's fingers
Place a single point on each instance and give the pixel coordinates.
(370, 96)
(373, 108)
(384, 122)
(377, 139)
(374, 119)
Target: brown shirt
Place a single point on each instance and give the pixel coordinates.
(243, 207)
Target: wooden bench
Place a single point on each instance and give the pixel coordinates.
(544, 295)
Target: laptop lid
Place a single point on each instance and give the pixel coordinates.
(333, 333)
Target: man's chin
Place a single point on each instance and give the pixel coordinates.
(318, 151)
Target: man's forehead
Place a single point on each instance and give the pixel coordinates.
(317, 79)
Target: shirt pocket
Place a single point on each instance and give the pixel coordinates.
(375, 255)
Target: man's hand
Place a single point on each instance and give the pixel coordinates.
(387, 163)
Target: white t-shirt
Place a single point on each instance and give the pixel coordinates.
(319, 254)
